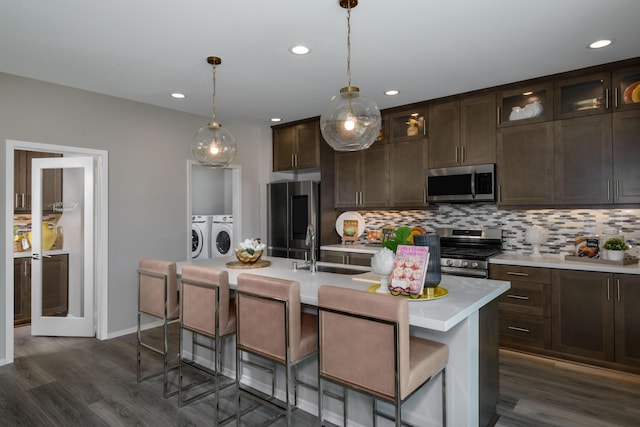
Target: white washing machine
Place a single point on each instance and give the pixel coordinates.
(201, 236)
(222, 236)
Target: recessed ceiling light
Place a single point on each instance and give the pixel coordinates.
(600, 44)
(275, 119)
(299, 50)
(178, 95)
(392, 92)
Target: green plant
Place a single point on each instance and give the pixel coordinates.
(615, 244)
(399, 238)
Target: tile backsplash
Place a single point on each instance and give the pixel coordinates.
(564, 225)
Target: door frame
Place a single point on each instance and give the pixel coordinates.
(101, 234)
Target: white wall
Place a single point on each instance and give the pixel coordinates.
(147, 148)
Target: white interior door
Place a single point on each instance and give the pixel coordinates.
(62, 277)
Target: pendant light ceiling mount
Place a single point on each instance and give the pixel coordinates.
(351, 121)
(213, 145)
(348, 4)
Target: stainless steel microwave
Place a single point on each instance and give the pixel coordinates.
(462, 184)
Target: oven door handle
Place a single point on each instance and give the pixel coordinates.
(473, 184)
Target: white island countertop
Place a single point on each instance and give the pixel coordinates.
(353, 247)
(466, 295)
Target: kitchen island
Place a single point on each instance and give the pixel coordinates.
(466, 320)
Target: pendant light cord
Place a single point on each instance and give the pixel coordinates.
(349, 42)
(213, 66)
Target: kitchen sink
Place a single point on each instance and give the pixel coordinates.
(334, 269)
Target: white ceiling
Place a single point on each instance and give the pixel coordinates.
(143, 50)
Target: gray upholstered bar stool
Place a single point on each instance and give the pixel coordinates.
(271, 325)
(158, 298)
(209, 315)
(364, 345)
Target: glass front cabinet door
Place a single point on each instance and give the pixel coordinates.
(626, 89)
(525, 105)
(583, 96)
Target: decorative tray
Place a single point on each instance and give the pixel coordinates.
(258, 264)
(438, 292)
(627, 261)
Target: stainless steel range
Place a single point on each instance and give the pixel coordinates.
(466, 252)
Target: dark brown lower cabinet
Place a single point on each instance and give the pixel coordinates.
(525, 309)
(582, 313)
(55, 287)
(352, 258)
(596, 316)
(627, 318)
(586, 316)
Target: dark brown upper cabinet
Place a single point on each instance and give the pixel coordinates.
(463, 132)
(296, 146)
(51, 182)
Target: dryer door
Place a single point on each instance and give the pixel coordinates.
(222, 241)
(197, 241)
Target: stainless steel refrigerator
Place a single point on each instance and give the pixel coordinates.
(292, 206)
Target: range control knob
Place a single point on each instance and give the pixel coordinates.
(449, 262)
(465, 264)
(474, 265)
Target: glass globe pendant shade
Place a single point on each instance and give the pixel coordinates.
(214, 146)
(351, 121)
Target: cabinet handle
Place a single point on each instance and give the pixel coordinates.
(15, 205)
(615, 97)
(296, 159)
(608, 189)
(361, 198)
(498, 116)
(606, 99)
(618, 286)
(24, 199)
(617, 189)
(514, 273)
(499, 192)
(456, 154)
(515, 328)
(462, 154)
(608, 290)
(518, 297)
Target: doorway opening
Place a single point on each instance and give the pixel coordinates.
(99, 234)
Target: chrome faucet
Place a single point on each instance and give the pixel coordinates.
(311, 242)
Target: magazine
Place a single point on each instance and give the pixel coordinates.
(410, 269)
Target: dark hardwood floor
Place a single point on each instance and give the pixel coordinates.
(86, 382)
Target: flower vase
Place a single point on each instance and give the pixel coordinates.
(434, 269)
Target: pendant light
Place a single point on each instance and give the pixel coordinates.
(214, 145)
(351, 121)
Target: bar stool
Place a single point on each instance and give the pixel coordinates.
(364, 345)
(272, 326)
(158, 298)
(206, 311)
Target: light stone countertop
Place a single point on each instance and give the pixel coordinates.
(27, 254)
(558, 261)
(466, 295)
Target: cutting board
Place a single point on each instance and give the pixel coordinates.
(368, 277)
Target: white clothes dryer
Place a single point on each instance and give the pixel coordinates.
(222, 236)
(201, 236)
